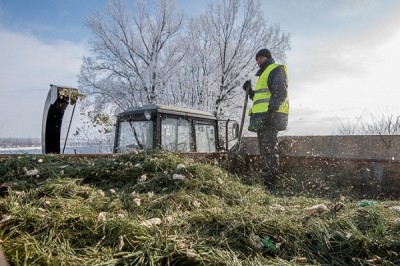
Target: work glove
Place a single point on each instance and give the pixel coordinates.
(247, 84)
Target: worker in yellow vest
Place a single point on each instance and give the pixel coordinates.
(269, 113)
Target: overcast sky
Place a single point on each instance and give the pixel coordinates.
(344, 60)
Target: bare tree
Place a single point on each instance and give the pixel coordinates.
(134, 52)
(383, 124)
(140, 57)
(377, 124)
(224, 42)
(347, 127)
(196, 80)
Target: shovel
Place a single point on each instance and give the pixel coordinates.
(243, 116)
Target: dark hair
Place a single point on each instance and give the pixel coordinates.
(264, 52)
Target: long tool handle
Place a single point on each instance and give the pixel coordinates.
(243, 116)
(70, 121)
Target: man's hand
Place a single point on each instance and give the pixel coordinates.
(247, 84)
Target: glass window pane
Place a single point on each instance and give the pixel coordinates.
(168, 129)
(176, 135)
(205, 138)
(185, 136)
(135, 135)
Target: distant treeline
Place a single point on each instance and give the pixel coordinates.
(76, 145)
(36, 142)
(19, 142)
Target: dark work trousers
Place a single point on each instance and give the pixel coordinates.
(268, 144)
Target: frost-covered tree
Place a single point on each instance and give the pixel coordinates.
(223, 42)
(141, 57)
(134, 53)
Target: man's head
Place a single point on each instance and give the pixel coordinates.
(262, 55)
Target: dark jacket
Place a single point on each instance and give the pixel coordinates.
(277, 84)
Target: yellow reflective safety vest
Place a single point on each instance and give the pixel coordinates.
(262, 94)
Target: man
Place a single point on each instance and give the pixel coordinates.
(269, 113)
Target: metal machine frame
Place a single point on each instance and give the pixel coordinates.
(156, 113)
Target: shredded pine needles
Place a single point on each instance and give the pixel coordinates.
(159, 208)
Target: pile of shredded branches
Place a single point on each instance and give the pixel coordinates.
(162, 209)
